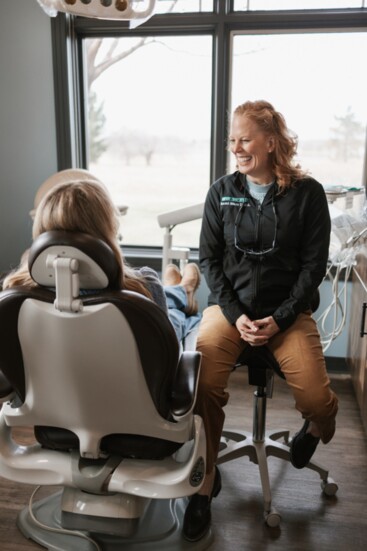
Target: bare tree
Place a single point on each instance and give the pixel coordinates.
(97, 63)
(112, 55)
(348, 135)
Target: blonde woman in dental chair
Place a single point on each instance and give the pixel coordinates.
(85, 206)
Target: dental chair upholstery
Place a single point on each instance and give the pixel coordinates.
(98, 376)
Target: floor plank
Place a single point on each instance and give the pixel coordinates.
(310, 520)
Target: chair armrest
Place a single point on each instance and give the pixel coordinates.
(185, 383)
(6, 390)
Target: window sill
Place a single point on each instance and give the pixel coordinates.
(149, 256)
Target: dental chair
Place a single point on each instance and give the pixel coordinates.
(98, 376)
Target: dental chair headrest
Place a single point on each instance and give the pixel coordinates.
(97, 269)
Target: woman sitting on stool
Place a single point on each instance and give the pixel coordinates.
(263, 249)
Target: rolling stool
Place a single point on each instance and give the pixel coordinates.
(259, 445)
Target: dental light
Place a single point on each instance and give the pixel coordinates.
(126, 10)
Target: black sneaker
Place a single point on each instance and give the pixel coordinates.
(198, 516)
(303, 446)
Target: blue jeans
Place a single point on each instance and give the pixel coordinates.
(177, 302)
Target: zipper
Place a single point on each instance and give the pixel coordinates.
(259, 211)
(256, 276)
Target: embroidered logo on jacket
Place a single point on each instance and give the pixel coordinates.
(233, 201)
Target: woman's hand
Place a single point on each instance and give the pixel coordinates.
(256, 332)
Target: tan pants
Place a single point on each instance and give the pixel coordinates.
(299, 353)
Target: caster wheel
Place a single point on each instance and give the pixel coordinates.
(329, 487)
(272, 518)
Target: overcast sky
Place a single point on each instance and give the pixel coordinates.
(166, 87)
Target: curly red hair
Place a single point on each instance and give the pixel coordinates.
(273, 124)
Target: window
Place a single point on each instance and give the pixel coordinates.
(242, 5)
(153, 124)
(149, 128)
(300, 74)
(183, 6)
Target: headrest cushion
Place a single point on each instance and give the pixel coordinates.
(98, 268)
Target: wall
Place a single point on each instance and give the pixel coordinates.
(338, 348)
(27, 120)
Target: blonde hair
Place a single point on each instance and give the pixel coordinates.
(273, 124)
(80, 206)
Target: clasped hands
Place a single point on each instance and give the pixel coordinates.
(256, 332)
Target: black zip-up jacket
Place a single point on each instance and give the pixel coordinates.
(281, 282)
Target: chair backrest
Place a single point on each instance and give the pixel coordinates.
(99, 376)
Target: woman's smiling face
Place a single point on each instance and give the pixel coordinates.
(252, 148)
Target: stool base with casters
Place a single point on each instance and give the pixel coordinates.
(260, 445)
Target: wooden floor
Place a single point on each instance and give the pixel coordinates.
(310, 520)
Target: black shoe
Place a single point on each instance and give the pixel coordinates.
(198, 515)
(303, 446)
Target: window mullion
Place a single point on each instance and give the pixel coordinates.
(220, 100)
(70, 127)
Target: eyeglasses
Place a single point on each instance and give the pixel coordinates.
(248, 253)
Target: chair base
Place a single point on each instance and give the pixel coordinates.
(159, 529)
(235, 444)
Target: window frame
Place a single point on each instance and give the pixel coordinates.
(68, 33)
